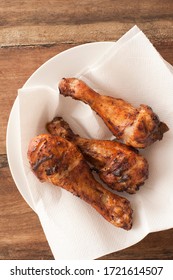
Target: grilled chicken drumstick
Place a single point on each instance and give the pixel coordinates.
(137, 127)
(56, 160)
(119, 166)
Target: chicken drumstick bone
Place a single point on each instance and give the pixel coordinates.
(138, 128)
(58, 161)
(119, 166)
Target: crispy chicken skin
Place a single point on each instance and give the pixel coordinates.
(56, 160)
(119, 166)
(136, 127)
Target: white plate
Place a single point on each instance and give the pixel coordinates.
(67, 63)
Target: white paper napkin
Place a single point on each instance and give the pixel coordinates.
(133, 70)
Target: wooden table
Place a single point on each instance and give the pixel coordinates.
(32, 32)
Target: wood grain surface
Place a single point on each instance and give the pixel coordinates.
(33, 31)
